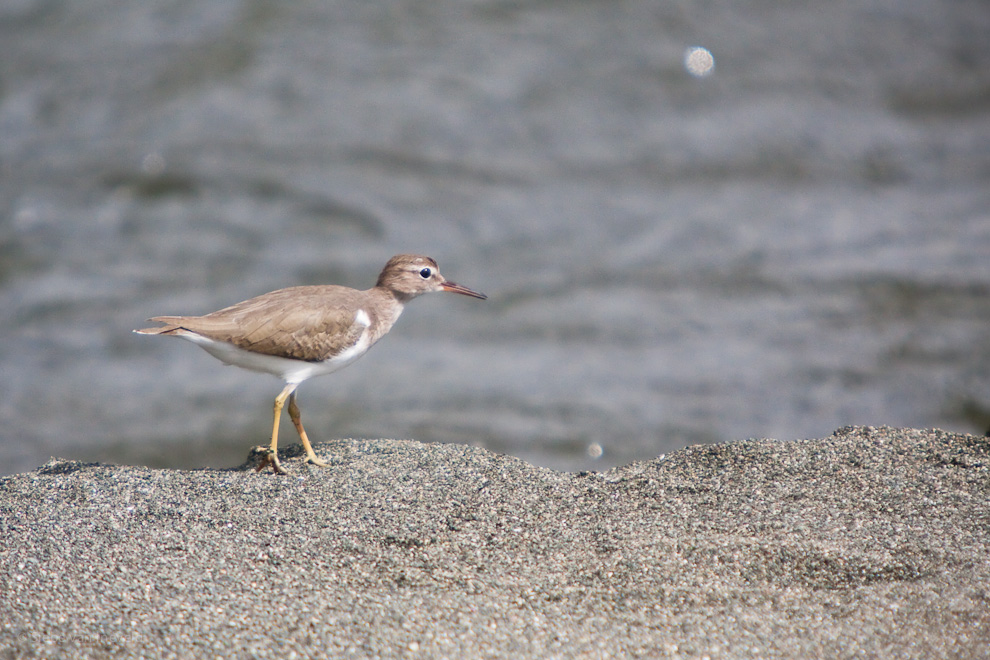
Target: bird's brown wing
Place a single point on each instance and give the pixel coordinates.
(298, 323)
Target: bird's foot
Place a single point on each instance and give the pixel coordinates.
(316, 461)
(271, 458)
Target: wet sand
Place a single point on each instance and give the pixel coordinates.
(874, 542)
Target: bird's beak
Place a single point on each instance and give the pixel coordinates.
(463, 290)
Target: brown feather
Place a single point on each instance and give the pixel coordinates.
(311, 323)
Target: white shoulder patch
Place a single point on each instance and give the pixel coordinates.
(362, 318)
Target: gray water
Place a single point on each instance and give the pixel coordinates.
(797, 241)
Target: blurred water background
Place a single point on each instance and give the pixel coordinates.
(795, 240)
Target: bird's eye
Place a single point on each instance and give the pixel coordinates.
(425, 273)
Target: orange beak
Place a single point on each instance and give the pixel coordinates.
(463, 290)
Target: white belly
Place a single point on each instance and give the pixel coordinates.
(289, 370)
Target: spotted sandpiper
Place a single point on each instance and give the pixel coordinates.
(306, 331)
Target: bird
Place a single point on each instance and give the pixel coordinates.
(302, 332)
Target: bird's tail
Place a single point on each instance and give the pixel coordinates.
(171, 325)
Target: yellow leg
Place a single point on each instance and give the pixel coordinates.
(294, 415)
(272, 456)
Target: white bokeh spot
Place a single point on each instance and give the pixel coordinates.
(699, 61)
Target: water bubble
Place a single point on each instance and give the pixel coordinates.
(699, 61)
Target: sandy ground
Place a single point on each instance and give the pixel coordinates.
(872, 543)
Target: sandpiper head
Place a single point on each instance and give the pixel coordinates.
(411, 275)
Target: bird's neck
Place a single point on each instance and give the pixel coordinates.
(387, 308)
